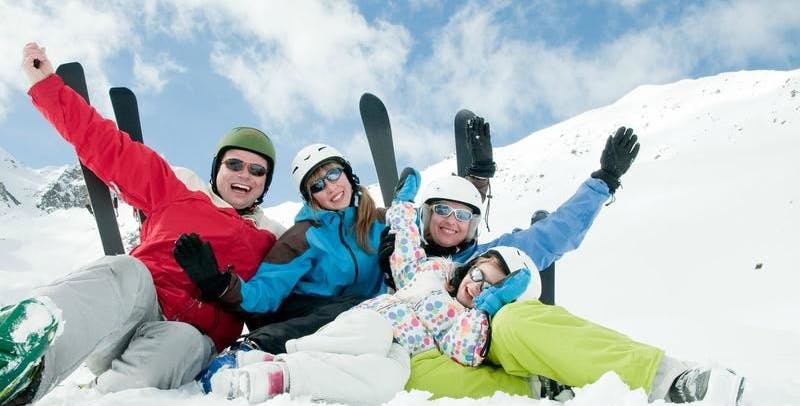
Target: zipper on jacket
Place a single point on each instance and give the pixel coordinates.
(349, 250)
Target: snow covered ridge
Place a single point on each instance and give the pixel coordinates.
(47, 189)
(698, 255)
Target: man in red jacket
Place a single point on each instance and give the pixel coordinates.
(137, 320)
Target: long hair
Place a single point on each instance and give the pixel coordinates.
(367, 215)
(366, 212)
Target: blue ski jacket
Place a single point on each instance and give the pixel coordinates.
(318, 256)
(560, 232)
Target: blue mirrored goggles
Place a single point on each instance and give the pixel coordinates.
(332, 175)
(462, 215)
(237, 165)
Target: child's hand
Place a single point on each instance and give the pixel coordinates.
(506, 291)
(407, 186)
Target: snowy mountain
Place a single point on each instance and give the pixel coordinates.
(697, 255)
(47, 189)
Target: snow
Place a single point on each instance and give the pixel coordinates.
(698, 255)
(37, 316)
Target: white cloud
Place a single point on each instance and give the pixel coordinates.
(85, 31)
(303, 65)
(476, 62)
(305, 58)
(150, 76)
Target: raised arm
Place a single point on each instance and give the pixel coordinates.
(401, 217)
(140, 175)
(563, 231)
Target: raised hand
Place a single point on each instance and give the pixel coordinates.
(407, 186)
(618, 155)
(506, 291)
(479, 144)
(35, 71)
(198, 262)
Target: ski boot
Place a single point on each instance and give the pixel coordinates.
(717, 385)
(235, 356)
(26, 331)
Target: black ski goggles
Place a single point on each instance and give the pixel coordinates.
(332, 175)
(237, 165)
(462, 215)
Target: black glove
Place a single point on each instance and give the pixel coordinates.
(479, 145)
(620, 151)
(385, 250)
(197, 260)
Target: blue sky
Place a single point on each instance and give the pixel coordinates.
(296, 69)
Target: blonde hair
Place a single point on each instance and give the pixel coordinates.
(366, 214)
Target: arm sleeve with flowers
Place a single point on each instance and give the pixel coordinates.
(408, 254)
(465, 339)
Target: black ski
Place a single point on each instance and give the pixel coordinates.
(547, 275)
(99, 196)
(126, 111)
(463, 159)
(379, 136)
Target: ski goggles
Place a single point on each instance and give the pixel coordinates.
(462, 215)
(237, 165)
(476, 274)
(332, 175)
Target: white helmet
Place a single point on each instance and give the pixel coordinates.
(310, 158)
(514, 259)
(455, 189)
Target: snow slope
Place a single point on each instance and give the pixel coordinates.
(698, 254)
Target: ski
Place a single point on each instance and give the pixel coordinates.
(126, 111)
(379, 136)
(547, 275)
(463, 162)
(463, 159)
(99, 195)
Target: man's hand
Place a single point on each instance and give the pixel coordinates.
(479, 144)
(35, 71)
(199, 263)
(620, 152)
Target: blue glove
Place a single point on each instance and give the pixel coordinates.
(506, 291)
(407, 186)
(224, 360)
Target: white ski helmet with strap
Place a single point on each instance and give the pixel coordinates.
(455, 189)
(312, 157)
(513, 259)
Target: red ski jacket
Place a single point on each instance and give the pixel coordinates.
(145, 180)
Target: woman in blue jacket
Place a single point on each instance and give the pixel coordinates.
(323, 265)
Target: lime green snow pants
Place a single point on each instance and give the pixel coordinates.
(530, 338)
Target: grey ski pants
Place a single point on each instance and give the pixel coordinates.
(112, 321)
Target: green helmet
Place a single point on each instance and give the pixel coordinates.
(248, 139)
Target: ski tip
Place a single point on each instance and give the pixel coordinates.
(69, 66)
(369, 98)
(120, 91)
(464, 114)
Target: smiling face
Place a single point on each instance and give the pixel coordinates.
(448, 231)
(336, 195)
(241, 189)
(469, 289)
